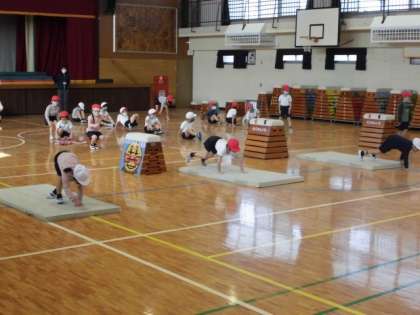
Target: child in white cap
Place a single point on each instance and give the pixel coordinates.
(126, 120)
(51, 115)
(69, 169)
(285, 105)
(250, 114)
(231, 114)
(152, 123)
(163, 102)
(78, 113)
(107, 120)
(186, 129)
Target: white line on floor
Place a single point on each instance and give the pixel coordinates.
(161, 269)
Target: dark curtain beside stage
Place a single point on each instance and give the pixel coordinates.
(67, 41)
(50, 44)
(20, 44)
(82, 51)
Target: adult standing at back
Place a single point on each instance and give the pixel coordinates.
(62, 82)
(285, 106)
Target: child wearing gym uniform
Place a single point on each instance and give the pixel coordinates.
(231, 114)
(107, 120)
(186, 129)
(251, 113)
(94, 126)
(213, 115)
(222, 148)
(51, 114)
(78, 113)
(69, 169)
(64, 128)
(152, 123)
(285, 106)
(125, 120)
(163, 101)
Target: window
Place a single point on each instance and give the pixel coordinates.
(228, 60)
(415, 61)
(292, 58)
(345, 58)
(262, 9)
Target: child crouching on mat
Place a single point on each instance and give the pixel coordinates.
(69, 169)
(64, 129)
(397, 142)
(152, 123)
(78, 113)
(125, 120)
(186, 129)
(94, 126)
(223, 149)
(107, 120)
(51, 114)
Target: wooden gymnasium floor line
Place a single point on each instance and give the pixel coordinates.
(346, 307)
(285, 288)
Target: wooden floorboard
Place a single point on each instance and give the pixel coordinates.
(345, 241)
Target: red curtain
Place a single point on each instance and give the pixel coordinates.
(20, 44)
(82, 48)
(50, 44)
(79, 7)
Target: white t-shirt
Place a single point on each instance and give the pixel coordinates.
(66, 125)
(221, 147)
(186, 126)
(162, 100)
(122, 119)
(285, 100)
(150, 121)
(75, 113)
(231, 113)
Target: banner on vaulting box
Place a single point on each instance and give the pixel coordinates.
(132, 155)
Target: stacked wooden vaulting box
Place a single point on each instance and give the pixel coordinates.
(299, 107)
(266, 139)
(322, 106)
(394, 102)
(370, 104)
(344, 109)
(274, 105)
(415, 118)
(375, 129)
(264, 100)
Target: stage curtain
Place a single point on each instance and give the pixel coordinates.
(20, 44)
(50, 44)
(82, 48)
(31, 7)
(7, 43)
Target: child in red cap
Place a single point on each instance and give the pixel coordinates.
(94, 126)
(222, 148)
(64, 128)
(51, 115)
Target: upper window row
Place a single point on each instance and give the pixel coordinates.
(261, 9)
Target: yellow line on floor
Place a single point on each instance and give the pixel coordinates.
(310, 236)
(5, 185)
(232, 267)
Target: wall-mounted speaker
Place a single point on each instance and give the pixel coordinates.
(110, 6)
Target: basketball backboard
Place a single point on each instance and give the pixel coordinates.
(317, 27)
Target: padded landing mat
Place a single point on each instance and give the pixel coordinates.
(232, 174)
(33, 200)
(351, 160)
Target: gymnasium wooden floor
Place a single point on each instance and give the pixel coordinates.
(346, 241)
